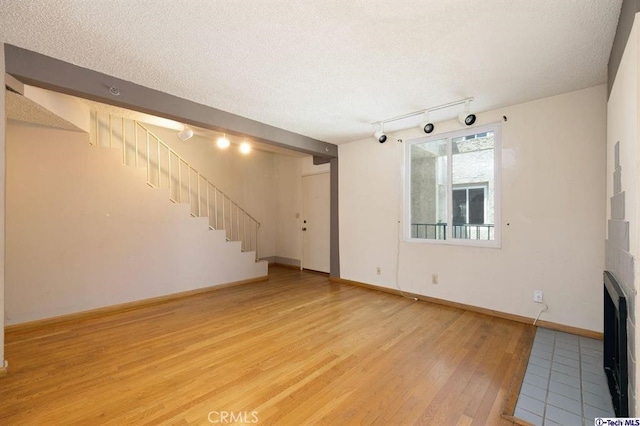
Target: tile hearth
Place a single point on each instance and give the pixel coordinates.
(565, 382)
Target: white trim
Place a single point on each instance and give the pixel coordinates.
(496, 128)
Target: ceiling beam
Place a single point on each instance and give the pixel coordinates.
(53, 74)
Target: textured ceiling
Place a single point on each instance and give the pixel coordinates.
(327, 69)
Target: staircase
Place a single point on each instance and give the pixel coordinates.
(140, 147)
(85, 231)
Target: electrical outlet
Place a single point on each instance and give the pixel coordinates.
(378, 270)
(434, 278)
(537, 296)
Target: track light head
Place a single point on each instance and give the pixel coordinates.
(425, 125)
(465, 117)
(223, 142)
(245, 148)
(185, 134)
(379, 134)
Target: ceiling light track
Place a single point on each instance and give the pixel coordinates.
(422, 111)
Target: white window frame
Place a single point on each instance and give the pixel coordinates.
(496, 128)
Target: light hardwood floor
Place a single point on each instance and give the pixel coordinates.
(294, 350)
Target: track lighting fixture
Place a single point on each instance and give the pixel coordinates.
(465, 117)
(223, 142)
(185, 134)
(379, 134)
(425, 125)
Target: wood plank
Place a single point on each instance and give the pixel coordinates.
(297, 349)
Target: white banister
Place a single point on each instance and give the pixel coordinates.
(219, 202)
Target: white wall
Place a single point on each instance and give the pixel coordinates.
(2, 202)
(553, 187)
(84, 231)
(289, 209)
(622, 128)
(288, 195)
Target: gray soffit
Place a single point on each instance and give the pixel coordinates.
(49, 73)
(623, 30)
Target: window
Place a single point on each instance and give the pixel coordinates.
(452, 187)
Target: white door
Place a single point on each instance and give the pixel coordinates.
(315, 222)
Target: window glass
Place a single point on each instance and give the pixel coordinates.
(476, 205)
(429, 190)
(452, 188)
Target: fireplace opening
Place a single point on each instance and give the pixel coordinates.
(615, 344)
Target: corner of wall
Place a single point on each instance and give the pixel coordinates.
(2, 186)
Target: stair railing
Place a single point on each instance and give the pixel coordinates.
(167, 169)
